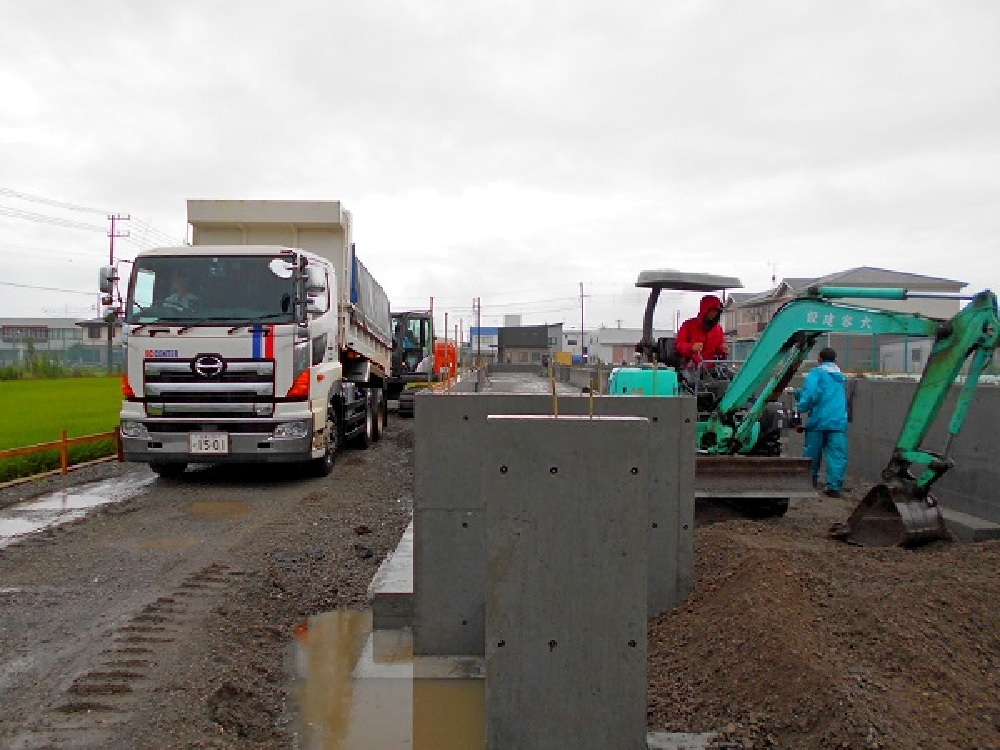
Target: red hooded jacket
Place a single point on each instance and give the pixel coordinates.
(698, 331)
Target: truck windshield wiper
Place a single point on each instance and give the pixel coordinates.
(251, 321)
(188, 325)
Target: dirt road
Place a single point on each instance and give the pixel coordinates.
(165, 621)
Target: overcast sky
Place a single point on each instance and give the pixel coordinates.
(509, 150)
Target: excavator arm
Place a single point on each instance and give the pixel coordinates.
(901, 509)
(733, 426)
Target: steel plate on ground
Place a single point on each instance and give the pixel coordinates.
(753, 476)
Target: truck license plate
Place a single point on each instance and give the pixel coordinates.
(209, 442)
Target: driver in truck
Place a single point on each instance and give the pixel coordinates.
(179, 298)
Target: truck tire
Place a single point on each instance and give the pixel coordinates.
(381, 415)
(366, 436)
(322, 466)
(168, 470)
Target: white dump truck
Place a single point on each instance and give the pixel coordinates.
(265, 340)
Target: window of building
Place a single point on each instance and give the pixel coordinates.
(916, 355)
(24, 333)
(93, 332)
(522, 357)
(536, 356)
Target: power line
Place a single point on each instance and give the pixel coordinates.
(43, 288)
(145, 226)
(50, 201)
(46, 219)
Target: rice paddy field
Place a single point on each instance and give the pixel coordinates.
(36, 411)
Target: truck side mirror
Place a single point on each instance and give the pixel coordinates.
(315, 279)
(317, 299)
(106, 279)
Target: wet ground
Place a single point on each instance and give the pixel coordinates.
(61, 506)
(193, 613)
(165, 617)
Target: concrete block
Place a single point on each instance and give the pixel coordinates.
(391, 589)
(968, 528)
(449, 448)
(567, 551)
(449, 582)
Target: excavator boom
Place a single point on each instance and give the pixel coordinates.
(901, 509)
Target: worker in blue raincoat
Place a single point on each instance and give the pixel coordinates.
(823, 395)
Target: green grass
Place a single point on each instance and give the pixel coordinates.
(36, 411)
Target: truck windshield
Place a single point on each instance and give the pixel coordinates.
(197, 289)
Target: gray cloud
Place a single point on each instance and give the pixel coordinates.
(487, 149)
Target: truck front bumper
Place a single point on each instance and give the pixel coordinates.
(245, 447)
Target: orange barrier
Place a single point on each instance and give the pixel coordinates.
(63, 445)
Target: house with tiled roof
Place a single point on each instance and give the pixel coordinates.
(746, 315)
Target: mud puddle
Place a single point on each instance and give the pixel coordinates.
(63, 506)
(362, 690)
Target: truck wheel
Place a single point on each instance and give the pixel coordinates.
(322, 466)
(363, 440)
(169, 471)
(381, 415)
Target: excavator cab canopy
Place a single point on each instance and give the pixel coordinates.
(668, 278)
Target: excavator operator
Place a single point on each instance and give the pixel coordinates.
(701, 338)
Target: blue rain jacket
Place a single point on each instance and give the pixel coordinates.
(825, 398)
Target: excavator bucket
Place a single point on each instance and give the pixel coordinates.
(893, 515)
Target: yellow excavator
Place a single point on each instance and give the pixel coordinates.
(741, 419)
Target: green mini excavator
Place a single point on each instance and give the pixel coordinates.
(741, 417)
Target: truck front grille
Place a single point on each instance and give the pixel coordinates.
(240, 389)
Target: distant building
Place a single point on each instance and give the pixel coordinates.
(528, 344)
(67, 341)
(616, 346)
(578, 343)
(482, 344)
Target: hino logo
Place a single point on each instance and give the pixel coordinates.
(208, 365)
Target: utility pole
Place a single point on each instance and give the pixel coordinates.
(111, 316)
(478, 303)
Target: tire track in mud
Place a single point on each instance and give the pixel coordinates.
(124, 674)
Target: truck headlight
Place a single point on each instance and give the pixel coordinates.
(135, 430)
(291, 430)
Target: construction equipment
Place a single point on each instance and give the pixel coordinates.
(741, 415)
(432, 371)
(901, 510)
(751, 474)
(412, 341)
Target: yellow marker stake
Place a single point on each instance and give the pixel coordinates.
(591, 398)
(555, 399)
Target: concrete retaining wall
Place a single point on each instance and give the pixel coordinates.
(451, 442)
(973, 485)
(566, 504)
